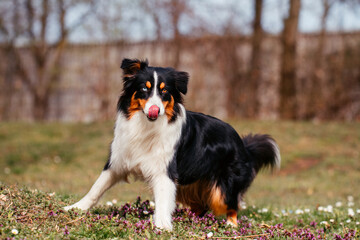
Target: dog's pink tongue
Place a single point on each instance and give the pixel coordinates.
(154, 112)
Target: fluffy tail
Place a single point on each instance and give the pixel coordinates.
(264, 150)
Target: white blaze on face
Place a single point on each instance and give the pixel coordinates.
(154, 99)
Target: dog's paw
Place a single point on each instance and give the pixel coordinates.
(67, 208)
(76, 206)
(166, 228)
(231, 223)
(164, 225)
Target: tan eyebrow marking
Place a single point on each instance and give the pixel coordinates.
(162, 85)
(148, 84)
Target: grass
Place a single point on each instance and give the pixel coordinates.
(320, 166)
(33, 214)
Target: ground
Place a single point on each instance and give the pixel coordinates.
(51, 165)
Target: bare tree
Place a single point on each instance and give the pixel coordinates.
(230, 63)
(176, 8)
(41, 77)
(151, 7)
(254, 76)
(7, 86)
(108, 28)
(288, 62)
(315, 102)
(342, 96)
(166, 15)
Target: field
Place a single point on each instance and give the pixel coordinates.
(44, 167)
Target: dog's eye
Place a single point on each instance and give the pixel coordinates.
(164, 91)
(144, 89)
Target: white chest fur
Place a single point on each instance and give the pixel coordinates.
(144, 147)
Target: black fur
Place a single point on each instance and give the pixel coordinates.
(261, 150)
(204, 161)
(209, 149)
(175, 81)
(108, 163)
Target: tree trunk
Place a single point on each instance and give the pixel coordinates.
(254, 76)
(177, 8)
(9, 79)
(40, 105)
(229, 65)
(288, 105)
(105, 86)
(315, 103)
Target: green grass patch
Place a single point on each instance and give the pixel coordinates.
(320, 166)
(33, 214)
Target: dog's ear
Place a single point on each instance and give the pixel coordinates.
(181, 81)
(131, 66)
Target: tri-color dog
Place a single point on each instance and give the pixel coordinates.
(184, 156)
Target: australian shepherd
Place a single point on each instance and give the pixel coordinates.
(186, 157)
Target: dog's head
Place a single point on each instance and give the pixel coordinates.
(154, 91)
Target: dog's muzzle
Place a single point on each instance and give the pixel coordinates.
(153, 112)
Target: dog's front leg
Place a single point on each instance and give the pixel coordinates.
(106, 180)
(165, 194)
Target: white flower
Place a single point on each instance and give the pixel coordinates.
(284, 212)
(51, 194)
(321, 208)
(299, 211)
(332, 220)
(210, 234)
(357, 223)
(264, 210)
(15, 231)
(329, 209)
(307, 210)
(350, 204)
(324, 223)
(109, 203)
(145, 212)
(357, 210)
(114, 201)
(351, 212)
(152, 204)
(338, 204)
(350, 198)
(348, 221)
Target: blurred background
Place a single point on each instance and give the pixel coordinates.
(266, 59)
(290, 68)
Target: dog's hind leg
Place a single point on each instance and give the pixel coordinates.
(231, 217)
(105, 181)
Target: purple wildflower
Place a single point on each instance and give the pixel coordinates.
(66, 231)
(313, 224)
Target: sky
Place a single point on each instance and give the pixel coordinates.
(137, 25)
(341, 16)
